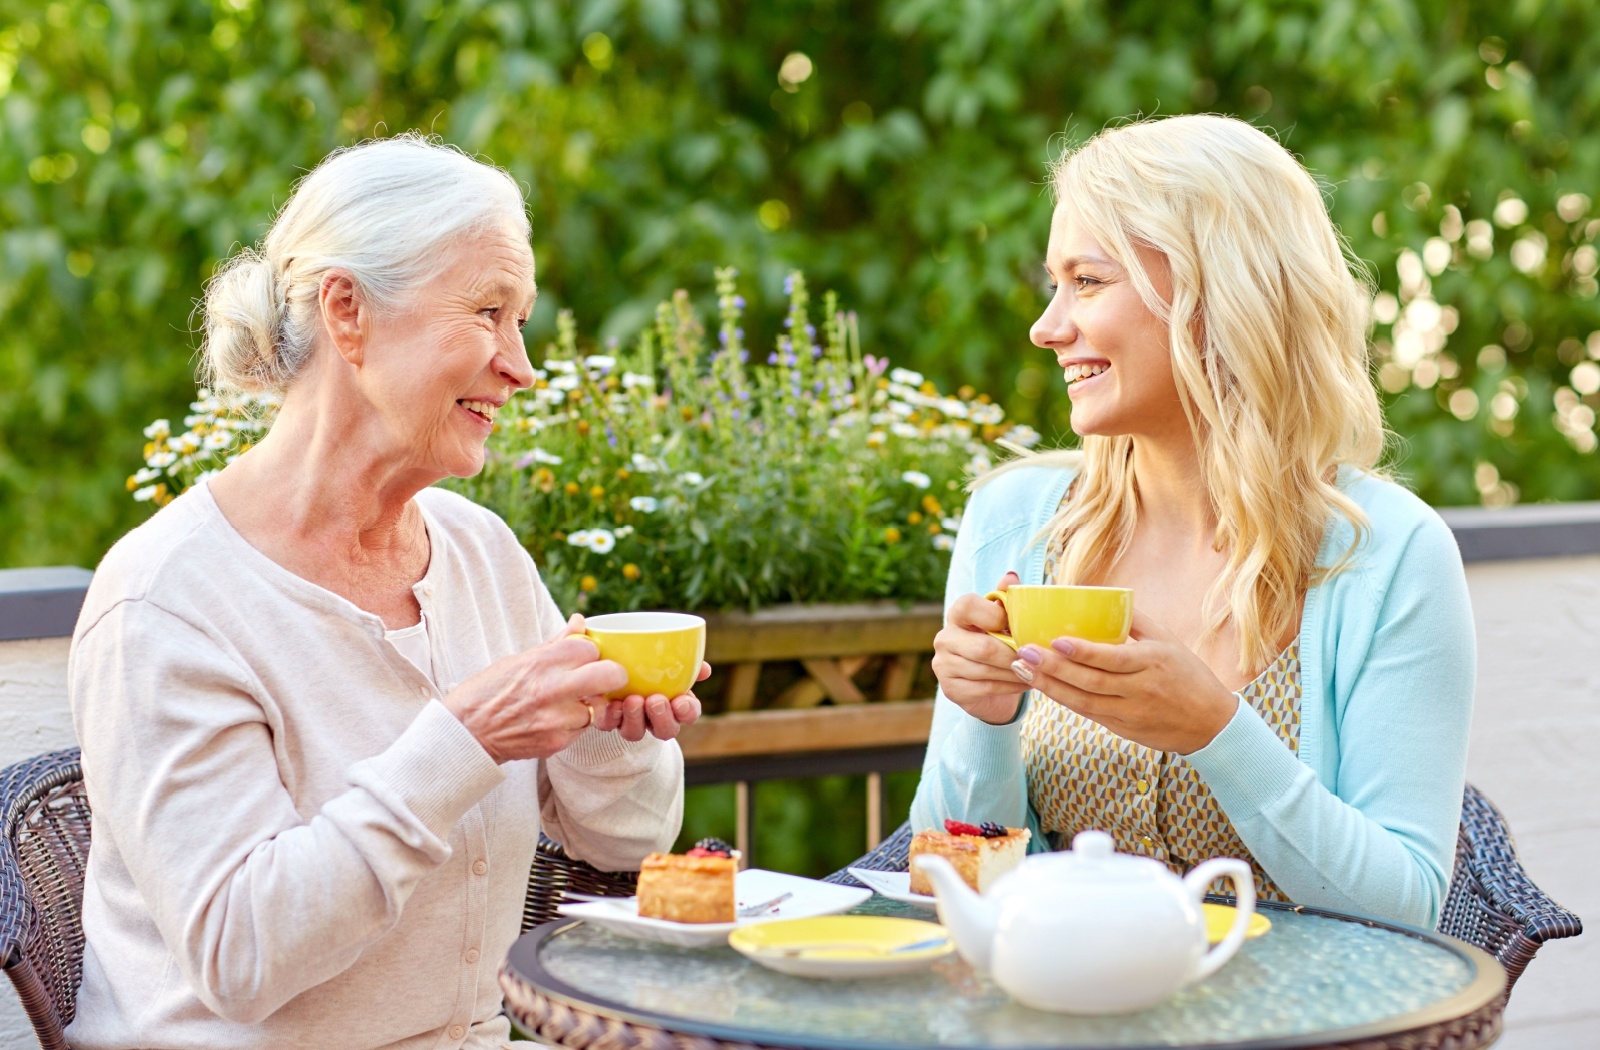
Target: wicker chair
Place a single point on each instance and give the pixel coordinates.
(1491, 903)
(44, 818)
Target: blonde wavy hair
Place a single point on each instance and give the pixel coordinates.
(1268, 322)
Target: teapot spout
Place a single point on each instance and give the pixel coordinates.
(971, 920)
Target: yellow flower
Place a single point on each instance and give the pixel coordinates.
(966, 393)
(583, 426)
(631, 571)
(914, 518)
(588, 583)
(597, 493)
(544, 480)
(133, 482)
(891, 535)
(933, 528)
(931, 505)
(571, 488)
(622, 474)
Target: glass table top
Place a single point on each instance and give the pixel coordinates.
(1311, 975)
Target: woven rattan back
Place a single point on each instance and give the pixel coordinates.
(44, 817)
(555, 874)
(1492, 903)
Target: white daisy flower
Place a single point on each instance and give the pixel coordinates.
(644, 504)
(917, 478)
(876, 439)
(157, 430)
(644, 464)
(691, 477)
(581, 538)
(602, 541)
(565, 382)
(539, 455)
(905, 430)
(906, 376)
(1023, 435)
(565, 367)
(218, 439)
(146, 476)
(901, 409)
(944, 542)
(145, 494)
(634, 379)
(600, 361)
(623, 532)
(950, 524)
(162, 460)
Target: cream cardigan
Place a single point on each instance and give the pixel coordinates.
(294, 842)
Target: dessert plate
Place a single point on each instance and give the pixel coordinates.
(896, 885)
(752, 886)
(843, 946)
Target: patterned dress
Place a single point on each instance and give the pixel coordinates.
(1082, 775)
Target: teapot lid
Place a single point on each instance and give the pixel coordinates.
(1094, 857)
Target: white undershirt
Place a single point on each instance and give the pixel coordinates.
(413, 645)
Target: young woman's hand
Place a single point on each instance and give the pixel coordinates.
(974, 670)
(1151, 689)
(664, 718)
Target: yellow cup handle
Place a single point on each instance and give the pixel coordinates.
(1000, 596)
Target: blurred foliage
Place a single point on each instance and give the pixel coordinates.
(893, 148)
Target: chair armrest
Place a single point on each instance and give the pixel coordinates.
(1494, 863)
(893, 854)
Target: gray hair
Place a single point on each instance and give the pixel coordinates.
(378, 212)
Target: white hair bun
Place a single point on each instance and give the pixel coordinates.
(243, 324)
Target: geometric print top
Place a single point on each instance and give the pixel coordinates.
(1082, 775)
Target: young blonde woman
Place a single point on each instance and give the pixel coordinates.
(1298, 683)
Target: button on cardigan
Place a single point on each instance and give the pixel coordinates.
(295, 843)
(1363, 819)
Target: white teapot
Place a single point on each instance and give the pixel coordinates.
(1090, 931)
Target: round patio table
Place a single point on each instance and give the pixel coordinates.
(1317, 981)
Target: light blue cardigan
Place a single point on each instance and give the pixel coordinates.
(1364, 819)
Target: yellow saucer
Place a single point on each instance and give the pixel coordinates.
(842, 945)
(1219, 920)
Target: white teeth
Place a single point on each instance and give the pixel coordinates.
(1073, 373)
(483, 408)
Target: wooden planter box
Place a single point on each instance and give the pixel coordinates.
(811, 690)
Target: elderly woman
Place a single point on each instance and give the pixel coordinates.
(325, 708)
(1299, 681)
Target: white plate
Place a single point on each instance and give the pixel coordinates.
(751, 886)
(896, 885)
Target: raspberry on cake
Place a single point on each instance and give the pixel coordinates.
(979, 853)
(696, 887)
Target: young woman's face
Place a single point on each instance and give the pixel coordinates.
(1113, 351)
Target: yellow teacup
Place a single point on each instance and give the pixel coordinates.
(661, 651)
(1041, 613)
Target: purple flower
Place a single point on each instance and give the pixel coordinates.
(738, 302)
(811, 331)
(722, 336)
(876, 366)
(816, 351)
(744, 355)
(788, 322)
(611, 436)
(788, 285)
(772, 358)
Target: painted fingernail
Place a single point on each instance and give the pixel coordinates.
(1032, 654)
(1062, 646)
(1022, 671)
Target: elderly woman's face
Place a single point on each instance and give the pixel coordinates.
(441, 369)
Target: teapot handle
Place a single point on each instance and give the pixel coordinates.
(1244, 883)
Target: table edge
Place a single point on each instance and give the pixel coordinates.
(1487, 984)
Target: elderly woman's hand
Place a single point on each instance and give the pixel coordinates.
(635, 714)
(973, 669)
(1151, 689)
(536, 703)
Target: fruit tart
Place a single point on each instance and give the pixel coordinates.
(693, 887)
(980, 853)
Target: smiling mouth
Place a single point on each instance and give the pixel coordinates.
(1076, 373)
(485, 409)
